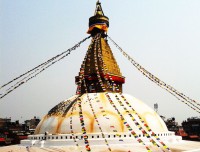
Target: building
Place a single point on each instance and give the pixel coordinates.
(100, 117)
(11, 132)
(32, 124)
(192, 128)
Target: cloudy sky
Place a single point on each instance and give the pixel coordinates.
(163, 36)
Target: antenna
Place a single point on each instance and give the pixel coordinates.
(156, 107)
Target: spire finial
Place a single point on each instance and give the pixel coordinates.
(99, 10)
(98, 21)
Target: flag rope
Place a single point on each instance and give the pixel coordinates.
(180, 96)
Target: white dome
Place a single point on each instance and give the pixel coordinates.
(57, 121)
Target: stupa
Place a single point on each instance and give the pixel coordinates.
(100, 117)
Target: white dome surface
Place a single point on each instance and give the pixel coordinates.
(57, 121)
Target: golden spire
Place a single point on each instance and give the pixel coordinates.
(99, 71)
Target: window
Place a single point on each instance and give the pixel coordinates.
(70, 137)
(66, 137)
(92, 136)
(108, 136)
(52, 137)
(114, 136)
(61, 137)
(124, 135)
(129, 135)
(98, 136)
(57, 137)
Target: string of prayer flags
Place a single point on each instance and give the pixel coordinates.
(104, 67)
(127, 125)
(82, 71)
(71, 128)
(180, 96)
(30, 74)
(98, 73)
(145, 125)
(96, 65)
(85, 137)
(99, 126)
(136, 123)
(95, 117)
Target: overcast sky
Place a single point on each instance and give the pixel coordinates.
(162, 35)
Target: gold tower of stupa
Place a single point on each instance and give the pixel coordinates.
(99, 58)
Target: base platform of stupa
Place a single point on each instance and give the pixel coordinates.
(96, 139)
(181, 146)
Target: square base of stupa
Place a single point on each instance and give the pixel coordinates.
(181, 146)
